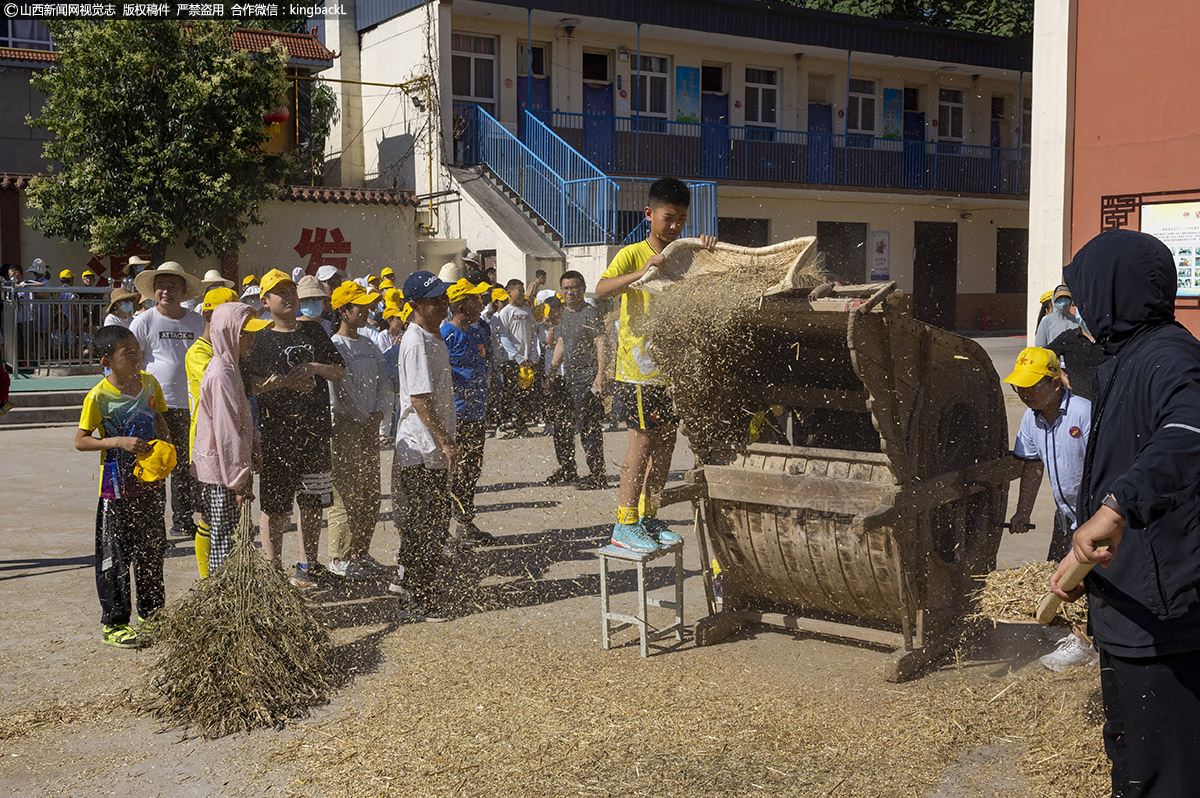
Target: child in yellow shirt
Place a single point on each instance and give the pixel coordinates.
(640, 386)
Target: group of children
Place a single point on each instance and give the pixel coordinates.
(300, 388)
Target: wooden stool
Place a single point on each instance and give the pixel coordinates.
(622, 621)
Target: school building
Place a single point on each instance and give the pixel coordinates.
(532, 129)
(1115, 138)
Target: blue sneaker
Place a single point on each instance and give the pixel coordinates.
(633, 537)
(659, 531)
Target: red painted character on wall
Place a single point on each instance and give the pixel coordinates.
(319, 244)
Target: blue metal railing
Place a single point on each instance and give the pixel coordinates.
(590, 193)
(577, 210)
(631, 224)
(633, 145)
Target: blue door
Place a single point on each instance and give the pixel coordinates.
(714, 135)
(598, 125)
(914, 149)
(537, 92)
(820, 143)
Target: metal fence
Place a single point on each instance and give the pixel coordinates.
(631, 224)
(578, 210)
(47, 327)
(643, 146)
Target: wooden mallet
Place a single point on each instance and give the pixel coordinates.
(1076, 571)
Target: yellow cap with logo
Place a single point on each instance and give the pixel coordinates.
(218, 296)
(1034, 364)
(273, 279)
(155, 464)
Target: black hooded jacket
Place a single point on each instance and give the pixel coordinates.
(1144, 446)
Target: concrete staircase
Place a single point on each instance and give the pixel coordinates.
(33, 409)
(505, 206)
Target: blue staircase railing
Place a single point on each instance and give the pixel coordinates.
(578, 210)
(631, 224)
(578, 201)
(590, 195)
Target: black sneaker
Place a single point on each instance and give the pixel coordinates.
(593, 482)
(469, 532)
(562, 476)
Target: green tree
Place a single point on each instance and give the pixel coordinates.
(158, 129)
(1012, 18)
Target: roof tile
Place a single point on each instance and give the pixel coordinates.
(304, 46)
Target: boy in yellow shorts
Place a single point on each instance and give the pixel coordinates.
(639, 384)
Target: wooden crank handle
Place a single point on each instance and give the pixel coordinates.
(1076, 571)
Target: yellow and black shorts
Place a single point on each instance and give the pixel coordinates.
(645, 406)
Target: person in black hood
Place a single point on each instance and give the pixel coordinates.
(1141, 495)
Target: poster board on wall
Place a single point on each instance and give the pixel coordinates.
(881, 255)
(1177, 224)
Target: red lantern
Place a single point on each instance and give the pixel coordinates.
(275, 118)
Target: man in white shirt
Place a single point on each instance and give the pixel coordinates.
(425, 450)
(165, 332)
(1052, 439)
(518, 340)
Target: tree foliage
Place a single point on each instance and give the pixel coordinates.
(1012, 18)
(158, 129)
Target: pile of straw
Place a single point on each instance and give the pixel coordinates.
(242, 650)
(700, 334)
(1013, 594)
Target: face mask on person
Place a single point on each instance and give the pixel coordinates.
(312, 308)
(1062, 303)
(126, 307)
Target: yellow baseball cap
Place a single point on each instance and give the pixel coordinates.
(388, 272)
(155, 464)
(1046, 297)
(499, 295)
(273, 279)
(218, 296)
(66, 274)
(385, 284)
(86, 272)
(249, 280)
(373, 278)
(391, 311)
(351, 292)
(1034, 364)
(254, 324)
(465, 288)
(405, 311)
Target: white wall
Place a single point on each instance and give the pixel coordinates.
(1052, 142)
(379, 235)
(794, 214)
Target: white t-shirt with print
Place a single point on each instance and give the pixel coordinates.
(424, 366)
(165, 342)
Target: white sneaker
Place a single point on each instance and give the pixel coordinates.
(1071, 652)
(348, 569)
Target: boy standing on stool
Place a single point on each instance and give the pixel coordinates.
(639, 384)
(127, 408)
(425, 449)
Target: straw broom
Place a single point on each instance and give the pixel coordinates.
(242, 650)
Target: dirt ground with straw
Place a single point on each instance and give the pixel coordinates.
(515, 695)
